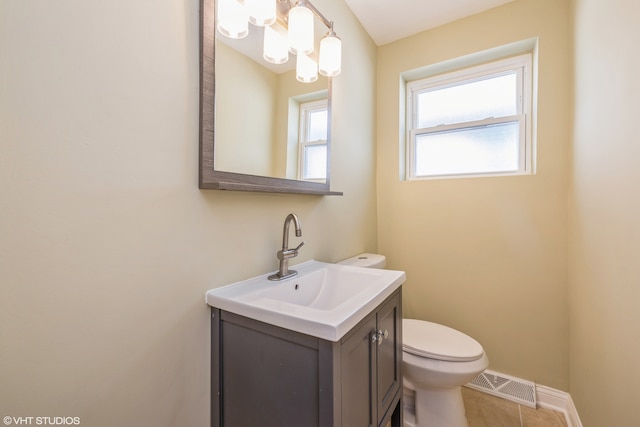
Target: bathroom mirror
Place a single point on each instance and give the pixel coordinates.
(250, 118)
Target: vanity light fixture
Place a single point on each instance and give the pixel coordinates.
(330, 54)
(288, 27)
(261, 12)
(300, 29)
(233, 19)
(306, 69)
(276, 46)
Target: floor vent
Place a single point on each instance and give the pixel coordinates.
(510, 388)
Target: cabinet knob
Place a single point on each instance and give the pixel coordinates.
(379, 336)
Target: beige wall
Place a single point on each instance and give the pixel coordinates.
(604, 210)
(487, 256)
(246, 118)
(106, 244)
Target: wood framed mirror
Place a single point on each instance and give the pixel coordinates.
(230, 125)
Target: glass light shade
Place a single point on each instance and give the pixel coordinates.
(276, 47)
(301, 30)
(330, 56)
(306, 69)
(233, 20)
(261, 12)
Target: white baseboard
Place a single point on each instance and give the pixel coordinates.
(558, 401)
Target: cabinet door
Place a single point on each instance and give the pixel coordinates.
(357, 377)
(267, 380)
(389, 355)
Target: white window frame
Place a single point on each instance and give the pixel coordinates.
(521, 65)
(306, 109)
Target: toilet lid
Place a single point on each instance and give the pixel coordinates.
(434, 341)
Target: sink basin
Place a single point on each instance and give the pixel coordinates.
(324, 300)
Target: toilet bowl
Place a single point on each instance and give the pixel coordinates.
(437, 361)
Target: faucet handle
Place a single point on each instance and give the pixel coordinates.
(289, 253)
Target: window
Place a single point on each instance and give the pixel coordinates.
(472, 122)
(313, 141)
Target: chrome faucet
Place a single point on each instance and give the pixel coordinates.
(285, 253)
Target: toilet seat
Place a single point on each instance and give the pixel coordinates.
(439, 342)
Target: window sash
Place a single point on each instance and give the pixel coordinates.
(307, 170)
(471, 126)
(516, 100)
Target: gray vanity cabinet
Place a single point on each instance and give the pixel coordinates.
(266, 376)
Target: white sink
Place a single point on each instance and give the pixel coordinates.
(324, 300)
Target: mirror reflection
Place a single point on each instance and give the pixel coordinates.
(267, 122)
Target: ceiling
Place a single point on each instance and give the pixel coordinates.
(390, 20)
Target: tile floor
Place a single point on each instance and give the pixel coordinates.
(485, 410)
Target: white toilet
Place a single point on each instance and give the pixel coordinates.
(436, 361)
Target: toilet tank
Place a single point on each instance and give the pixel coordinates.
(366, 260)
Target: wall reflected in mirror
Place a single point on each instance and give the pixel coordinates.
(267, 123)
